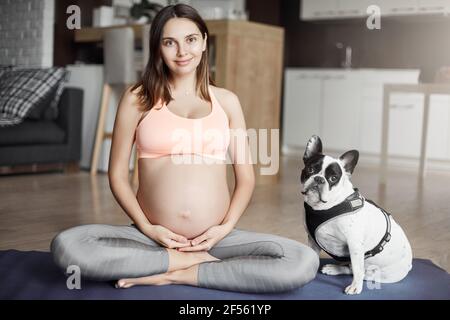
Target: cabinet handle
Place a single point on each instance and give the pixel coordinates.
(401, 106)
(431, 8)
(356, 11)
(407, 9)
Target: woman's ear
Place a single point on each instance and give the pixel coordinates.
(205, 42)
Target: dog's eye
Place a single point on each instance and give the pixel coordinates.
(333, 178)
(310, 170)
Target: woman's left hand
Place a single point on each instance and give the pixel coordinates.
(208, 239)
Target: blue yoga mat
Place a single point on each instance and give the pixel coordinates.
(32, 275)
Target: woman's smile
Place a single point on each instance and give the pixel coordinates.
(183, 62)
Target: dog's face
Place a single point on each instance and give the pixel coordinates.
(325, 180)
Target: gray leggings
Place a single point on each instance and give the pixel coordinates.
(249, 261)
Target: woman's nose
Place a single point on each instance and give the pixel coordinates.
(181, 51)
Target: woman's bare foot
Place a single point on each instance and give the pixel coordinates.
(182, 260)
(157, 280)
(180, 276)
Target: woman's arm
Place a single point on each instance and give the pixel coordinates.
(127, 118)
(242, 162)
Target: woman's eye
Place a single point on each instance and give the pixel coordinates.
(168, 43)
(193, 39)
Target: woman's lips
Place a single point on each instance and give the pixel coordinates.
(183, 63)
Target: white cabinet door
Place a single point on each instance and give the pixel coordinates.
(301, 110)
(438, 142)
(341, 101)
(370, 125)
(433, 6)
(351, 8)
(405, 124)
(397, 7)
(318, 9)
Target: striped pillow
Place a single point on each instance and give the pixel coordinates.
(23, 89)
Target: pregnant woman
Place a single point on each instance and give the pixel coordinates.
(184, 218)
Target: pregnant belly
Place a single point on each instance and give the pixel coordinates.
(185, 198)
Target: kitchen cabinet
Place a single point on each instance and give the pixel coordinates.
(303, 93)
(344, 107)
(397, 7)
(370, 126)
(371, 108)
(433, 6)
(319, 9)
(405, 123)
(438, 142)
(340, 117)
(340, 9)
(351, 8)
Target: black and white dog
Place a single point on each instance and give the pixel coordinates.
(347, 226)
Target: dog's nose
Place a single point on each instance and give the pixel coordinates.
(319, 180)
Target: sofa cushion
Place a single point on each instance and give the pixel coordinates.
(43, 109)
(5, 68)
(21, 90)
(32, 132)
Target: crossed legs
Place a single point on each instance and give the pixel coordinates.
(243, 261)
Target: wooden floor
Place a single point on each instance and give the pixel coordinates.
(33, 208)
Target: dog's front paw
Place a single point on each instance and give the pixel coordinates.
(354, 288)
(334, 270)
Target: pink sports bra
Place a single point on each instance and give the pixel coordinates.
(161, 132)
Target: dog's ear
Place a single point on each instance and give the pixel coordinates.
(349, 160)
(313, 147)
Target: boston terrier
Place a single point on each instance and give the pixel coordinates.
(350, 228)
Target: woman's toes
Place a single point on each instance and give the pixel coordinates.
(123, 283)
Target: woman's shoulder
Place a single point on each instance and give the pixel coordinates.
(227, 99)
(222, 93)
(131, 99)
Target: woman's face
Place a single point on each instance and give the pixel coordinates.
(182, 45)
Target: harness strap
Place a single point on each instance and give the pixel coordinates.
(352, 204)
(386, 237)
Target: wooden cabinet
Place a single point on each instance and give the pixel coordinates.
(249, 61)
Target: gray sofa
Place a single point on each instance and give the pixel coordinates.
(43, 142)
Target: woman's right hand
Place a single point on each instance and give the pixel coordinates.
(165, 237)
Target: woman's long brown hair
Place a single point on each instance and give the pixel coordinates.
(154, 82)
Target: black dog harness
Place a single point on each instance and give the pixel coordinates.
(352, 204)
